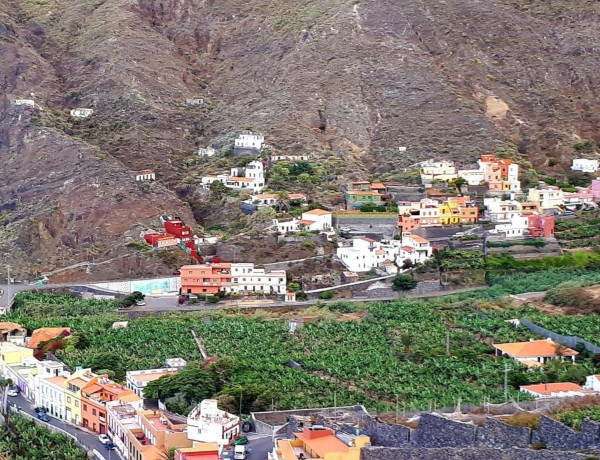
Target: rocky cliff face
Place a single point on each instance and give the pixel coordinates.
(347, 80)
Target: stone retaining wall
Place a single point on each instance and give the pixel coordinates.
(404, 453)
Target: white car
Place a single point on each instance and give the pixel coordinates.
(104, 439)
(12, 392)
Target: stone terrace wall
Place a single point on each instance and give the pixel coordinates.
(407, 453)
(435, 431)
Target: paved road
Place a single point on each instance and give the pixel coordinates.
(86, 438)
(260, 446)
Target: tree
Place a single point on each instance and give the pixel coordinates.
(190, 385)
(407, 340)
(325, 295)
(458, 183)
(404, 283)
(217, 190)
(283, 201)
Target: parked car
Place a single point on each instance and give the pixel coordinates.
(569, 213)
(176, 272)
(104, 439)
(12, 392)
(240, 441)
(39, 409)
(140, 303)
(43, 416)
(109, 446)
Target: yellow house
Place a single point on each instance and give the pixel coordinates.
(449, 213)
(13, 354)
(319, 443)
(73, 386)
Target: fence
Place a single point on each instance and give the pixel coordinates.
(568, 340)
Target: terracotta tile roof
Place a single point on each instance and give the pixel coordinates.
(408, 249)
(44, 334)
(151, 376)
(266, 196)
(240, 179)
(533, 349)
(92, 388)
(296, 196)
(379, 252)
(417, 238)
(547, 389)
(306, 222)
(323, 444)
(78, 382)
(9, 327)
(364, 193)
(318, 212)
(364, 238)
(129, 397)
(378, 185)
(59, 381)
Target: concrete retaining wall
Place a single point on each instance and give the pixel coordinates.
(568, 340)
(403, 453)
(149, 286)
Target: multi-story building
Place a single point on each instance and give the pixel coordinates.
(359, 193)
(501, 174)
(366, 254)
(248, 279)
(499, 210)
(250, 140)
(138, 380)
(514, 228)
(153, 434)
(199, 451)
(547, 197)
(50, 387)
(272, 199)
(429, 213)
(73, 385)
(249, 178)
(94, 397)
(584, 165)
(541, 225)
(237, 278)
(441, 170)
(207, 423)
(206, 278)
(13, 333)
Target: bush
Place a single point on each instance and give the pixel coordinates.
(131, 299)
(212, 298)
(301, 295)
(404, 283)
(326, 295)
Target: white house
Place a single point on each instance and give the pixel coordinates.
(292, 158)
(250, 178)
(245, 278)
(138, 380)
(271, 199)
(207, 423)
(548, 197)
(500, 210)
(81, 113)
(194, 101)
(146, 174)
(315, 220)
(515, 228)
(442, 170)
(585, 165)
(249, 140)
(206, 152)
(415, 248)
(472, 176)
(366, 254)
(535, 352)
(52, 396)
(555, 390)
(592, 382)
(28, 102)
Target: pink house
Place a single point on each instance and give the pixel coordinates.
(541, 225)
(595, 188)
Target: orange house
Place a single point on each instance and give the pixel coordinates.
(201, 451)
(205, 279)
(94, 397)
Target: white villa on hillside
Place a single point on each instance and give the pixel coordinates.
(250, 140)
(251, 178)
(315, 220)
(207, 423)
(584, 165)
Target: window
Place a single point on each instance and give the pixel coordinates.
(69, 399)
(93, 411)
(76, 403)
(85, 407)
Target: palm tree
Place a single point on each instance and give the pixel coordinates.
(407, 340)
(283, 201)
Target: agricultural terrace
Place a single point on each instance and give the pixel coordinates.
(396, 349)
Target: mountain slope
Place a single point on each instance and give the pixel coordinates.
(348, 80)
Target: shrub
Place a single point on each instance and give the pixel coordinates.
(212, 299)
(404, 283)
(301, 295)
(326, 295)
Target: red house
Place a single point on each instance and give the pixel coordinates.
(161, 240)
(541, 225)
(179, 229)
